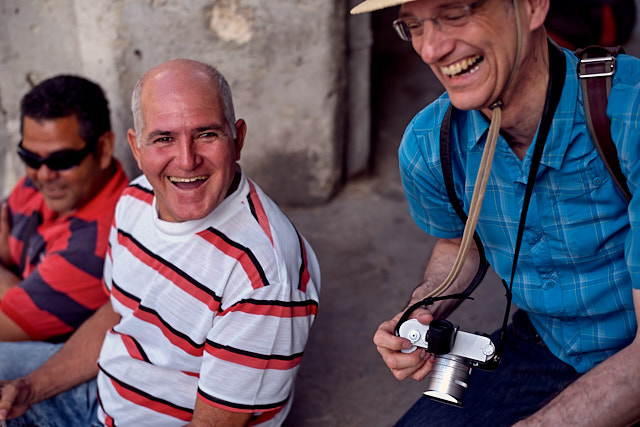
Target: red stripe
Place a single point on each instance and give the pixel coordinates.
(239, 255)
(169, 274)
(259, 209)
(131, 347)
(123, 299)
(273, 310)
(152, 319)
(154, 405)
(66, 278)
(134, 351)
(139, 194)
(38, 324)
(253, 362)
(265, 416)
(221, 406)
(175, 340)
(108, 421)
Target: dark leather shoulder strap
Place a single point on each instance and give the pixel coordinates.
(595, 70)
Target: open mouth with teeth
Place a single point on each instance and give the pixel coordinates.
(188, 183)
(466, 66)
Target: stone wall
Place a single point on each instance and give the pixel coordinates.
(285, 61)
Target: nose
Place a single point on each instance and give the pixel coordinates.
(45, 174)
(433, 44)
(187, 157)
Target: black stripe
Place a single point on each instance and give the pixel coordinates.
(172, 267)
(141, 188)
(252, 257)
(84, 235)
(255, 355)
(143, 393)
(263, 407)
(303, 266)
(164, 322)
(277, 303)
(57, 303)
(252, 208)
(125, 293)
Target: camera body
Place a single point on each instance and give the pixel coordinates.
(455, 351)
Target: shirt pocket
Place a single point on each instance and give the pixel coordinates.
(591, 213)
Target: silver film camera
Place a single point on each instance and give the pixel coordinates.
(455, 351)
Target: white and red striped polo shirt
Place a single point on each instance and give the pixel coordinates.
(217, 309)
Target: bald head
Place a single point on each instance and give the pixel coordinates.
(178, 75)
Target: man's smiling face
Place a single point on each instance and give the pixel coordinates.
(186, 151)
(474, 61)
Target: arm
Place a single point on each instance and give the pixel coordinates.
(417, 364)
(207, 415)
(5, 232)
(74, 364)
(605, 396)
(8, 279)
(10, 331)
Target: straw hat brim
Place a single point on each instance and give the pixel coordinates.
(371, 5)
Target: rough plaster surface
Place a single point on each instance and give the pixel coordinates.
(285, 62)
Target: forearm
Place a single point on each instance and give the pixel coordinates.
(8, 279)
(76, 362)
(442, 259)
(207, 415)
(605, 396)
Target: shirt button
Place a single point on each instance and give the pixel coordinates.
(597, 181)
(578, 359)
(549, 285)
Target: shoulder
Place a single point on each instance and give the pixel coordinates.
(138, 188)
(624, 98)
(25, 196)
(421, 137)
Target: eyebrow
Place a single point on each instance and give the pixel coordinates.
(159, 132)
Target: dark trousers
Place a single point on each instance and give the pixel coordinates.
(528, 377)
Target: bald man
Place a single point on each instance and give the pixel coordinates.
(212, 290)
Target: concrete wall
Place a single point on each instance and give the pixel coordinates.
(285, 61)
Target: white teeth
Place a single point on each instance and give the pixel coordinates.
(463, 65)
(193, 179)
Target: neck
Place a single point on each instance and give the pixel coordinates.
(525, 98)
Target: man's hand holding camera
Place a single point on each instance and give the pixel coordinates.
(415, 365)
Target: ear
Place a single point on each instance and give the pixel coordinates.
(537, 12)
(106, 144)
(133, 144)
(241, 130)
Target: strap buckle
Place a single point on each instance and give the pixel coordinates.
(588, 67)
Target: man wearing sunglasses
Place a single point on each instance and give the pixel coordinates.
(565, 242)
(55, 223)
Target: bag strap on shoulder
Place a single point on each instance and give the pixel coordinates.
(595, 70)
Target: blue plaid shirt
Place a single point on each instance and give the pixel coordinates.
(578, 260)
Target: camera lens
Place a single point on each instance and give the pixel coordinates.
(447, 381)
(440, 336)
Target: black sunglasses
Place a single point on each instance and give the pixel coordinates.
(57, 161)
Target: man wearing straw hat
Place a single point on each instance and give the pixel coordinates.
(564, 242)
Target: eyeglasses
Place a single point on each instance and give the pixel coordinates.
(449, 17)
(57, 161)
